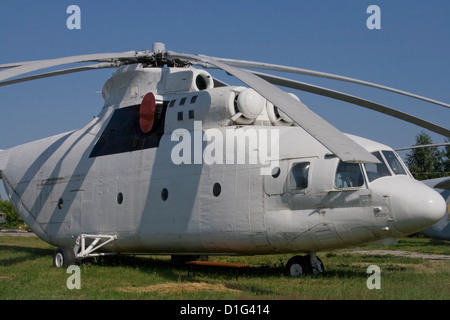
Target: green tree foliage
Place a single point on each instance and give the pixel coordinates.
(13, 220)
(427, 163)
(447, 158)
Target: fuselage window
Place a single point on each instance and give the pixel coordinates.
(348, 175)
(120, 198)
(217, 189)
(299, 176)
(60, 203)
(376, 170)
(393, 162)
(164, 194)
(276, 172)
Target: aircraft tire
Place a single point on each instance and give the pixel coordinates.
(298, 266)
(63, 257)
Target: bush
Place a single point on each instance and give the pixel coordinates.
(13, 220)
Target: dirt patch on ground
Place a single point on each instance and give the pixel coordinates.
(17, 234)
(400, 253)
(179, 287)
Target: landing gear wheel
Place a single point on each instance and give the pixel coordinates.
(63, 257)
(298, 266)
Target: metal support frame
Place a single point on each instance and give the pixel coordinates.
(81, 251)
(315, 264)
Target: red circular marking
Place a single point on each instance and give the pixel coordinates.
(147, 112)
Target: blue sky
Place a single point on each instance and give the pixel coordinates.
(410, 52)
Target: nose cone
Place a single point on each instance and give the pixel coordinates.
(414, 205)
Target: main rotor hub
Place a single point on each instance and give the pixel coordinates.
(158, 47)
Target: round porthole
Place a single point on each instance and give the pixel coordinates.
(120, 198)
(217, 188)
(276, 172)
(164, 194)
(60, 203)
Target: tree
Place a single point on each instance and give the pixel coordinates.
(447, 158)
(426, 163)
(13, 220)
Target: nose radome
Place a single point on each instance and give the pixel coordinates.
(415, 206)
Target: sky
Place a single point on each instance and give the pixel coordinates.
(410, 52)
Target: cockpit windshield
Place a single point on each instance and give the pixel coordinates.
(376, 170)
(350, 175)
(393, 162)
(387, 161)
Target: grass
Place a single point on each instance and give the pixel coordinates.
(26, 273)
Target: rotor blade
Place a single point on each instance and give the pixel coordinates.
(274, 67)
(423, 146)
(59, 72)
(354, 100)
(10, 65)
(26, 67)
(333, 139)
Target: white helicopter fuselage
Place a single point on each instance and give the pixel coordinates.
(110, 178)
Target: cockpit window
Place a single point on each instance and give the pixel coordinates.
(376, 170)
(393, 162)
(348, 175)
(299, 176)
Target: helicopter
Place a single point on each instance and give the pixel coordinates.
(180, 163)
(440, 230)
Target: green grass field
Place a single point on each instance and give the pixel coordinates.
(26, 272)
